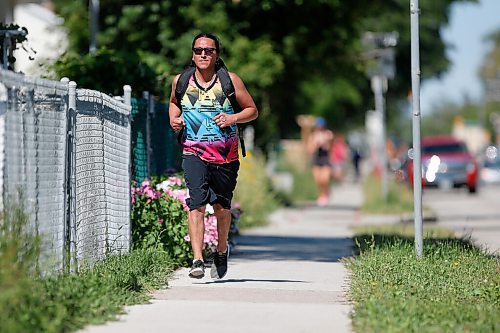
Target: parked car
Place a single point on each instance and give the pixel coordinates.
(446, 162)
(490, 166)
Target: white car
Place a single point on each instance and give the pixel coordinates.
(490, 170)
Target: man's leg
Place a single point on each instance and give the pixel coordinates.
(219, 267)
(196, 228)
(223, 225)
(223, 183)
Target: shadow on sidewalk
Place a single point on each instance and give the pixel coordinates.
(253, 280)
(334, 207)
(323, 249)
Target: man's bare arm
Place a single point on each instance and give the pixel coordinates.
(174, 110)
(248, 112)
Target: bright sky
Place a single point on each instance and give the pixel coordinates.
(469, 24)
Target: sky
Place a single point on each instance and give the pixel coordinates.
(469, 24)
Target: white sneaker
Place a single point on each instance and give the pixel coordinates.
(197, 270)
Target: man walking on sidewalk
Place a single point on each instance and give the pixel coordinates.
(205, 121)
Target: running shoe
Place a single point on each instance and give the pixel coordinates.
(219, 266)
(197, 270)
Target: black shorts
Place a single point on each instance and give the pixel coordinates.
(209, 183)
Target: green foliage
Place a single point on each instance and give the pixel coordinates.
(399, 197)
(253, 192)
(113, 68)
(296, 57)
(159, 221)
(491, 63)
(67, 302)
(454, 287)
(19, 251)
(30, 302)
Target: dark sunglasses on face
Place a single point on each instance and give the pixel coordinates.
(208, 50)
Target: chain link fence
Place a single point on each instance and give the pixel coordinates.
(155, 150)
(65, 153)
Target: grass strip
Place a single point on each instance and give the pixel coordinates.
(454, 287)
(68, 302)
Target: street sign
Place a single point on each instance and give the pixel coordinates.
(379, 55)
(380, 62)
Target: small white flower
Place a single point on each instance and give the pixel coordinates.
(163, 186)
(209, 209)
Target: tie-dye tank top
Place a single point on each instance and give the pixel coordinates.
(202, 136)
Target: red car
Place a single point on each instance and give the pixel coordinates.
(446, 162)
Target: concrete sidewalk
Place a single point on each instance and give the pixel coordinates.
(285, 277)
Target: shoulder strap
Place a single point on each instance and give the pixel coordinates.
(228, 89)
(182, 83)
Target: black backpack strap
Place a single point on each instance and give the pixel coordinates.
(182, 83)
(180, 89)
(228, 89)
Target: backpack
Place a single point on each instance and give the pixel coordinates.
(227, 88)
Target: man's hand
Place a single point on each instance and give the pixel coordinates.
(223, 120)
(177, 123)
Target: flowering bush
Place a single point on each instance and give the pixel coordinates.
(159, 219)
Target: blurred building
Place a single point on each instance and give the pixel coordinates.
(47, 40)
(472, 133)
(7, 8)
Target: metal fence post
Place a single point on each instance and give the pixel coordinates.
(66, 230)
(127, 99)
(72, 176)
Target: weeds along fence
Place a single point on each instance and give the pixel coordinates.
(65, 156)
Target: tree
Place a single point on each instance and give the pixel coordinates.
(490, 76)
(296, 57)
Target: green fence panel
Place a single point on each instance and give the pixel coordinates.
(166, 157)
(139, 141)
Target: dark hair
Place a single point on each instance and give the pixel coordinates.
(210, 36)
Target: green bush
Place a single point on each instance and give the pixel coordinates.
(32, 302)
(159, 219)
(19, 251)
(253, 191)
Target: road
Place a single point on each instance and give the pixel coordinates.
(477, 215)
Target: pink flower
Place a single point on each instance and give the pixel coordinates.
(151, 193)
(175, 181)
(210, 238)
(160, 221)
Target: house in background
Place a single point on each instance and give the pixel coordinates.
(47, 40)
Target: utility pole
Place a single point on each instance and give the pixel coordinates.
(417, 157)
(380, 68)
(93, 24)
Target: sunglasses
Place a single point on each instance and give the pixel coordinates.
(208, 50)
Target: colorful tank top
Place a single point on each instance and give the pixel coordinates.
(202, 136)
